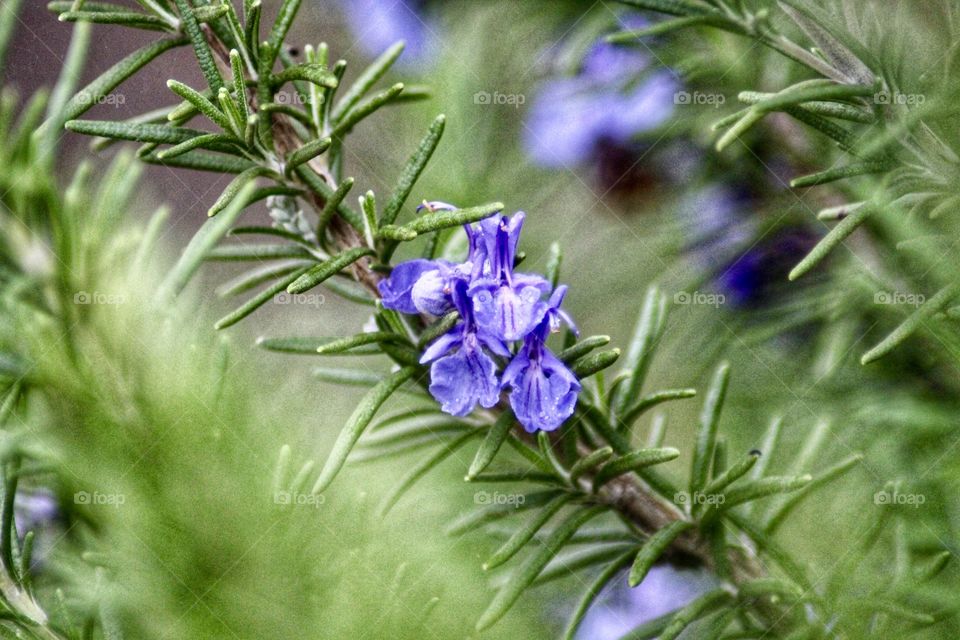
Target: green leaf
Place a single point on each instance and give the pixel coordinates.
(333, 204)
(496, 436)
(370, 227)
(572, 563)
(839, 56)
(314, 73)
(527, 531)
(201, 244)
(755, 490)
(436, 220)
(731, 475)
(349, 290)
(366, 80)
(480, 517)
(829, 242)
(213, 141)
(843, 137)
(238, 122)
(841, 110)
(839, 173)
(534, 564)
(740, 127)
(707, 429)
(232, 190)
(349, 343)
(317, 184)
(257, 276)
(640, 351)
(595, 362)
(257, 301)
(201, 103)
(834, 472)
(356, 424)
(251, 33)
(67, 81)
(672, 7)
(9, 11)
(239, 79)
(896, 610)
(414, 424)
(163, 134)
(151, 234)
(306, 346)
(699, 608)
(286, 14)
(652, 400)
(583, 347)
(554, 263)
(365, 109)
(109, 80)
(204, 55)
(257, 252)
(306, 153)
(653, 548)
(412, 170)
(633, 461)
(913, 322)
(766, 587)
(325, 270)
(593, 590)
(212, 13)
(201, 161)
(589, 462)
(932, 568)
(420, 470)
(667, 26)
(124, 18)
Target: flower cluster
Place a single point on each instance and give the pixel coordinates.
(504, 317)
(615, 95)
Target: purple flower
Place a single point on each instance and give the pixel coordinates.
(544, 389)
(613, 98)
(619, 608)
(746, 263)
(505, 303)
(461, 379)
(378, 24)
(496, 306)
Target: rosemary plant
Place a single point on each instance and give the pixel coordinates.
(479, 344)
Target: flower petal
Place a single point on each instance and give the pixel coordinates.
(443, 344)
(544, 391)
(396, 289)
(431, 293)
(461, 380)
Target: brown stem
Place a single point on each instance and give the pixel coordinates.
(285, 142)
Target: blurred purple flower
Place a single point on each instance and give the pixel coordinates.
(377, 24)
(615, 96)
(745, 267)
(38, 511)
(622, 609)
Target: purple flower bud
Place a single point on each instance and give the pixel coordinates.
(396, 290)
